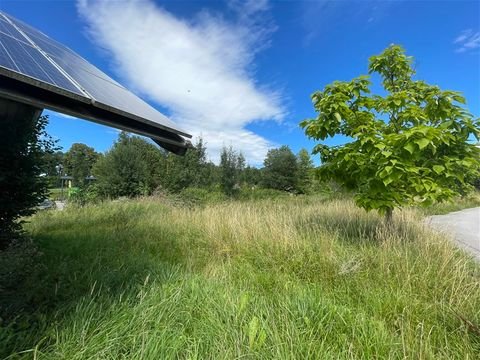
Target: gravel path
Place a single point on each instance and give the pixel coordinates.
(464, 226)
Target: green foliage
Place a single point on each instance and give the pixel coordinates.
(408, 147)
(129, 168)
(251, 176)
(231, 166)
(468, 201)
(304, 172)
(78, 162)
(52, 167)
(23, 145)
(280, 169)
(136, 167)
(190, 170)
(75, 195)
(153, 159)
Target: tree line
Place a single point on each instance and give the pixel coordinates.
(134, 166)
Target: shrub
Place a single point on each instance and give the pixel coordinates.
(23, 142)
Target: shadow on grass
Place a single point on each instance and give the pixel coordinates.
(43, 279)
(362, 229)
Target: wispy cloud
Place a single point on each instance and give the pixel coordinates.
(322, 17)
(201, 68)
(467, 40)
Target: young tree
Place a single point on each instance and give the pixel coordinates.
(23, 144)
(231, 167)
(409, 146)
(304, 172)
(79, 161)
(280, 169)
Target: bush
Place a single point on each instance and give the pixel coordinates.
(128, 169)
(76, 195)
(23, 143)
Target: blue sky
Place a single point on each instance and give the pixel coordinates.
(241, 73)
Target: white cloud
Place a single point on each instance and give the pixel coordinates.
(467, 40)
(463, 36)
(198, 68)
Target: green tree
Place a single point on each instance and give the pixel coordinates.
(52, 167)
(231, 166)
(78, 162)
(129, 168)
(190, 170)
(211, 175)
(154, 159)
(251, 176)
(280, 169)
(23, 145)
(304, 171)
(409, 146)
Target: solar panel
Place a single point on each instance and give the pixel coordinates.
(21, 57)
(8, 29)
(29, 56)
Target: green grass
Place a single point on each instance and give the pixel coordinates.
(56, 193)
(469, 201)
(291, 278)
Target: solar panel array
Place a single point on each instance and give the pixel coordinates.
(29, 52)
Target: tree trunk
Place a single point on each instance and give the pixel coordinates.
(389, 216)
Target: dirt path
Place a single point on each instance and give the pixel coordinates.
(464, 226)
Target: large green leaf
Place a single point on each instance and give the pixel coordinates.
(422, 143)
(438, 168)
(409, 147)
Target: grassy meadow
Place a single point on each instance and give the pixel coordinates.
(291, 278)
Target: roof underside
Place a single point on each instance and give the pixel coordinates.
(39, 71)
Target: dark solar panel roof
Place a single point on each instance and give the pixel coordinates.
(39, 70)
